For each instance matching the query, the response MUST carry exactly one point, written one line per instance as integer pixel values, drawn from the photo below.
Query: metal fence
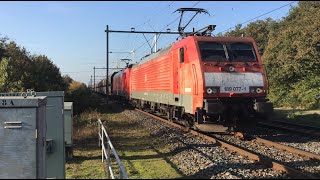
(103, 136)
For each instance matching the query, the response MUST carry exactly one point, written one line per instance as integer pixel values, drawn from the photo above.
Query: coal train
(209, 83)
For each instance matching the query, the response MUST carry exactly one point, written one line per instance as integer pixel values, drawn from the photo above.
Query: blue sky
(72, 33)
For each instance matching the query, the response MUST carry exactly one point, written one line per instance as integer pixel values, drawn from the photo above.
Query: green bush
(81, 96)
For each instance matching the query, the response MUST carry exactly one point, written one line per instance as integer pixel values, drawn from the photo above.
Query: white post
(155, 42)
(108, 159)
(99, 133)
(102, 143)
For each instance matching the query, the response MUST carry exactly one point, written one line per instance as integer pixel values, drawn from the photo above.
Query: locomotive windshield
(229, 51)
(212, 51)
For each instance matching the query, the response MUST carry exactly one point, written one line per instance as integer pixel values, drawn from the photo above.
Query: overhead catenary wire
(163, 29)
(74, 72)
(166, 7)
(258, 16)
(124, 44)
(154, 14)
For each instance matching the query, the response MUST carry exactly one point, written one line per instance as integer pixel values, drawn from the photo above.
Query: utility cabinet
(55, 150)
(22, 137)
(68, 128)
(55, 157)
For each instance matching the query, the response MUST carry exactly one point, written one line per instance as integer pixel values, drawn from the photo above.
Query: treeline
(290, 50)
(20, 70)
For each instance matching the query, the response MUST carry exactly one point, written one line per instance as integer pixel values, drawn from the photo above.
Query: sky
(72, 34)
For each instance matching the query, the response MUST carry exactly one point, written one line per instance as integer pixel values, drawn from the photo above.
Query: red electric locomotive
(204, 80)
(121, 83)
(210, 83)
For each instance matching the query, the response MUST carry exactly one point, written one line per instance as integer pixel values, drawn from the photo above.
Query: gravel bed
(198, 158)
(296, 161)
(301, 142)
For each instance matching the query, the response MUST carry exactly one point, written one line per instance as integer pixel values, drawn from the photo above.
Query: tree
(18, 65)
(3, 73)
(44, 75)
(67, 80)
(237, 32)
(80, 95)
(3, 46)
(292, 57)
(260, 30)
(21, 71)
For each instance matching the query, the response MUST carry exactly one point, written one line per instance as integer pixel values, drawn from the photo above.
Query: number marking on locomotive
(234, 89)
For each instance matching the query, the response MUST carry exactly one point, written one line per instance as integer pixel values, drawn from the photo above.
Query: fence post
(108, 159)
(99, 134)
(102, 143)
(106, 154)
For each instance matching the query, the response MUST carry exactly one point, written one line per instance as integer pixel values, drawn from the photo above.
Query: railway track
(293, 127)
(258, 157)
(303, 161)
(286, 148)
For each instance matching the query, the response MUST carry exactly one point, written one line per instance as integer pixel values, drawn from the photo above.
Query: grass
(86, 162)
(142, 156)
(140, 153)
(307, 117)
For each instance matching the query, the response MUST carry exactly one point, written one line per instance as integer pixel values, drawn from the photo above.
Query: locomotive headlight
(259, 90)
(212, 90)
(256, 90)
(231, 68)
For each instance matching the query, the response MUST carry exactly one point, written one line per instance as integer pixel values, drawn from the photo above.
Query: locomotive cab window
(227, 51)
(242, 52)
(212, 51)
(181, 55)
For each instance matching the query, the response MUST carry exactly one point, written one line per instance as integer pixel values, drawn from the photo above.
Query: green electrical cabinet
(68, 128)
(22, 137)
(55, 151)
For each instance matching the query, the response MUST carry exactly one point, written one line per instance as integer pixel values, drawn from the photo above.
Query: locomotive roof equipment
(181, 29)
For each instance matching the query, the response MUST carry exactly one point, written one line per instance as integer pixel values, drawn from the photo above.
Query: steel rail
(287, 128)
(277, 145)
(287, 148)
(293, 173)
(297, 124)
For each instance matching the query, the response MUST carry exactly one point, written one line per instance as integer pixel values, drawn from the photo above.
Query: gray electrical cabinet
(22, 137)
(55, 151)
(55, 158)
(68, 128)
